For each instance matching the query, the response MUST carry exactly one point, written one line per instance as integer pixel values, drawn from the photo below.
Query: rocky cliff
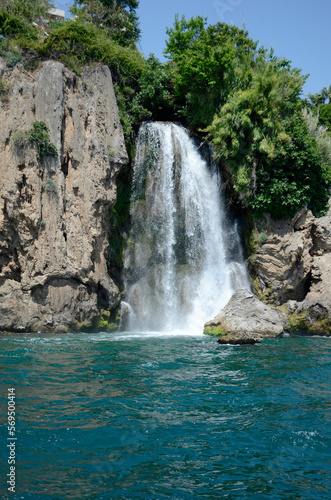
(54, 212)
(292, 268)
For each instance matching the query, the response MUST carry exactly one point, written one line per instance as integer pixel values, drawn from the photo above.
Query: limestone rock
(294, 268)
(247, 316)
(54, 212)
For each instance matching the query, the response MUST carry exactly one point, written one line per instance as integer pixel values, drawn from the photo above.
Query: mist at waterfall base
(183, 259)
(130, 416)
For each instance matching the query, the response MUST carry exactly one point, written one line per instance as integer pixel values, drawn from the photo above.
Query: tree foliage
(31, 10)
(325, 115)
(154, 95)
(205, 61)
(118, 17)
(248, 101)
(295, 176)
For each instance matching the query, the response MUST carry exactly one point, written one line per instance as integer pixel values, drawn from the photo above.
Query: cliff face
(293, 268)
(54, 212)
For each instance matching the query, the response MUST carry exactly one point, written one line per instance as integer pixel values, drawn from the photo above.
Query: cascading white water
(183, 260)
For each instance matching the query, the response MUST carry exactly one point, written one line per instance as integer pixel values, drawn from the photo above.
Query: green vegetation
(154, 100)
(217, 81)
(325, 115)
(263, 238)
(38, 135)
(214, 330)
(4, 88)
(20, 139)
(117, 17)
(109, 320)
(206, 64)
(300, 322)
(248, 101)
(29, 10)
(51, 187)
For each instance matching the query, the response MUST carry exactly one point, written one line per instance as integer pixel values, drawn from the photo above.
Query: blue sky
(298, 30)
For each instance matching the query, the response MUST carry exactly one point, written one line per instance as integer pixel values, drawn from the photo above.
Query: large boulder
(247, 318)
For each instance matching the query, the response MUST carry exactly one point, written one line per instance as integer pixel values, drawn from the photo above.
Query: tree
(317, 99)
(205, 61)
(32, 10)
(260, 134)
(326, 93)
(118, 17)
(154, 94)
(294, 177)
(325, 115)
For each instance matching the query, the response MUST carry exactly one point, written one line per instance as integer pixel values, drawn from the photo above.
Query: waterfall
(183, 259)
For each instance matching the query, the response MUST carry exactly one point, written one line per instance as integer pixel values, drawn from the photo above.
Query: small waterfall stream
(183, 259)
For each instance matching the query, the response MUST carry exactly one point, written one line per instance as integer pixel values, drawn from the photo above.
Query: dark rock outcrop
(240, 339)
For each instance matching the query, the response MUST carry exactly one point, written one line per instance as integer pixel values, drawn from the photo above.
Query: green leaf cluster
(117, 17)
(27, 10)
(39, 136)
(89, 43)
(325, 115)
(16, 26)
(154, 99)
(295, 176)
(205, 61)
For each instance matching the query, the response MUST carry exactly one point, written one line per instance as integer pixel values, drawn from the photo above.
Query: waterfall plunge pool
(168, 417)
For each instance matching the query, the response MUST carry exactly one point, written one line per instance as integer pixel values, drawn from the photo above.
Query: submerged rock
(240, 338)
(246, 318)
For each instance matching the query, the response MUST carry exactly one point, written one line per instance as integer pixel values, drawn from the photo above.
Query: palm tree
(317, 99)
(326, 92)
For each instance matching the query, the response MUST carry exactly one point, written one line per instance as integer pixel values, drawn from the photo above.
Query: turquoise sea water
(156, 416)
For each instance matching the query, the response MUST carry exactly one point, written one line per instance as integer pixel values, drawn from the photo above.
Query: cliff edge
(54, 211)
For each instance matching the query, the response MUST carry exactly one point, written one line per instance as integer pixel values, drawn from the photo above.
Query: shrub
(295, 176)
(20, 139)
(154, 97)
(16, 26)
(263, 238)
(12, 58)
(51, 187)
(4, 88)
(38, 135)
